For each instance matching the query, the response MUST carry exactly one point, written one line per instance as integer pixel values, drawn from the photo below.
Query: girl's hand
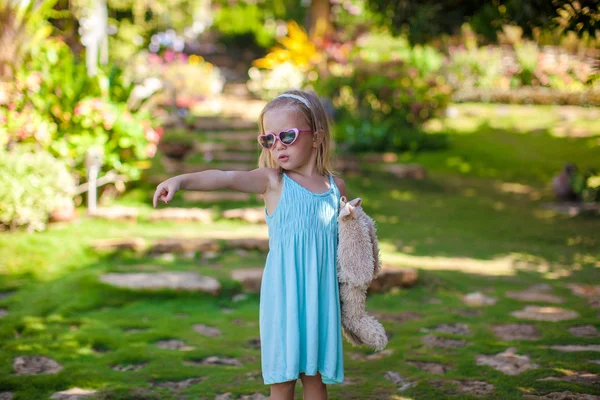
(166, 190)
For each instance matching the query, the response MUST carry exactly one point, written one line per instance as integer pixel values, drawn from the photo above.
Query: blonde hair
(317, 119)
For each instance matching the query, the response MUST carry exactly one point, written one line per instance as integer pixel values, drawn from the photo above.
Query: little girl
(300, 329)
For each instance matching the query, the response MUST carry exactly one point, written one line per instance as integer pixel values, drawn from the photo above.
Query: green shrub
(32, 185)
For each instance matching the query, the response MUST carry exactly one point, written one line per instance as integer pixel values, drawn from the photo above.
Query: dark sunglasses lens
(267, 141)
(287, 137)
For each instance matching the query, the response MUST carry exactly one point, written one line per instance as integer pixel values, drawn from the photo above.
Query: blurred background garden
(471, 130)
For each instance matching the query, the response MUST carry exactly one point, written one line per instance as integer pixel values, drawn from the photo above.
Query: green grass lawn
(475, 224)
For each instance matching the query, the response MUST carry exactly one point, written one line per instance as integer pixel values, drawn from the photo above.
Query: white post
(93, 162)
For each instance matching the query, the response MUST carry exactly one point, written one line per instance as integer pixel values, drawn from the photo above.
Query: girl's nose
(279, 145)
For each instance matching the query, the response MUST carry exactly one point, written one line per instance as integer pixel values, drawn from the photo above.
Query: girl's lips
(283, 158)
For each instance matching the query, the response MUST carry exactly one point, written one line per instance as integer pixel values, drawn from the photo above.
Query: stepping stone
(129, 367)
(34, 365)
(436, 341)
(392, 277)
(572, 209)
(182, 214)
(239, 297)
(572, 348)
(251, 214)
(236, 156)
(347, 164)
(234, 136)
(173, 344)
(214, 360)
(456, 329)
(374, 356)
(134, 244)
(250, 278)
(584, 378)
(182, 245)
(255, 396)
(3, 312)
(469, 387)
(584, 330)
(397, 379)
(537, 293)
(516, 332)
(136, 330)
(594, 361)
(249, 244)
(116, 213)
(164, 280)
(478, 299)
(507, 362)
(381, 158)
(6, 396)
(73, 394)
(209, 147)
(562, 396)
(591, 292)
(407, 171)
(553, 314)
(215, 196)
(431, 367)
(398, 318)
(207, 330)
(176, 386)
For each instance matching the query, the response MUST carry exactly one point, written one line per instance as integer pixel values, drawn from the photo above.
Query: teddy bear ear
(356, 202)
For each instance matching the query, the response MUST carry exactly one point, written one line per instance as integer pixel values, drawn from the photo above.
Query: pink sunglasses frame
(298, 132)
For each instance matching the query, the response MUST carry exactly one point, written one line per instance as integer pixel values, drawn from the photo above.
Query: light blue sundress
(300, 328)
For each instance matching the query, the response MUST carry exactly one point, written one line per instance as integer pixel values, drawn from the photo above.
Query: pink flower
(150, 150)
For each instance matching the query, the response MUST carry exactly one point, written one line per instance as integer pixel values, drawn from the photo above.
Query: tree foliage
(423, 20)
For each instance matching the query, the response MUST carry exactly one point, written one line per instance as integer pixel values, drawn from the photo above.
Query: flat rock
(553, 314)
(537, 293)
(249, 244)
(397, 317)
(469, 387)
(250, 278)
(253, 215)
(179, 385)
(134, 244)
(397, 379)
(173, 344)
(478, 299)
(431, 367)
(374, 356)
(214, 360)
(6, 396)
(164, 280)
(3, 312)
(239, 297)
(572, 209)
(406, 171)
(391, 277)
(116, 213)
(207, 330)
(584, 330)
(182, 245)
(584, 378)
(436, 341)
(591, 292)
(129, 367)
(516, 332)
(469, 313)
(507, 362)
(562, 396)
(574, 347)
(456, 329)
(182, 214)
(33, 365)
(73, 394)
(215, 196)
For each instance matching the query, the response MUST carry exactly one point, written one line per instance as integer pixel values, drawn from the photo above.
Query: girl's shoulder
(339, 182)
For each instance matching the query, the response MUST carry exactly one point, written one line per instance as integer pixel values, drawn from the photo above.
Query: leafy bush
(54, 104)
(32, 185)
(382, 98)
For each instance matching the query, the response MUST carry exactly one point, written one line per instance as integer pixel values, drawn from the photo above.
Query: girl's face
(297, 154)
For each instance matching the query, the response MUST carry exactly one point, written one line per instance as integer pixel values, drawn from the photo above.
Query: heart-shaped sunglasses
(287, 137)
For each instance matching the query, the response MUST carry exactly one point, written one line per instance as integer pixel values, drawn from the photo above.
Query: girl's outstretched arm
(255, 181)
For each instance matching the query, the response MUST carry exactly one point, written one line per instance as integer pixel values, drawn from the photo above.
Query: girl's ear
(318, 137)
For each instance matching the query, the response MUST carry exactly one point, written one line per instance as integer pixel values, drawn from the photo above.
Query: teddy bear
(358, 262)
